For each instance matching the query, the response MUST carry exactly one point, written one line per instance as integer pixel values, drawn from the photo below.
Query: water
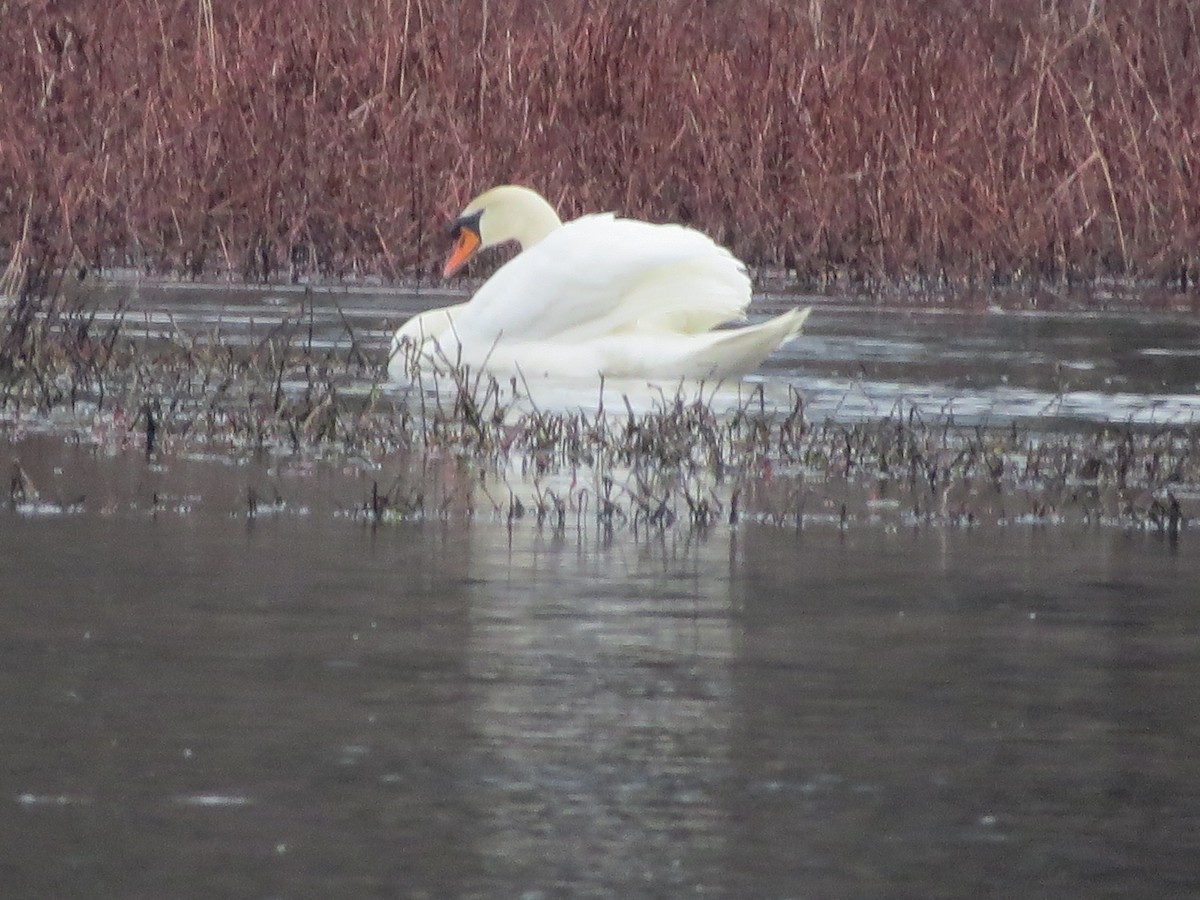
(199, 703)
(987, 367)
(997, 366)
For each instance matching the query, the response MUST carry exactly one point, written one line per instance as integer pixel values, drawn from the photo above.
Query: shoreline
(1107, 295)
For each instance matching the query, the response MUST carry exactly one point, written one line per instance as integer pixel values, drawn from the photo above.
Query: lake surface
(978, 366)
(202, 702)
(198, 705)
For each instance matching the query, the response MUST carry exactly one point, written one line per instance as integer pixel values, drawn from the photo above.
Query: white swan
(598, 296)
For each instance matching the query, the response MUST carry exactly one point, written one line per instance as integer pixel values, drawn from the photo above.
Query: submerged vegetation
(848, 141)
(683, 460)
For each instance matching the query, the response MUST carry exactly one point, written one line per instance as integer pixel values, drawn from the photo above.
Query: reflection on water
(202, 705)
(999, 366)
(603, 715)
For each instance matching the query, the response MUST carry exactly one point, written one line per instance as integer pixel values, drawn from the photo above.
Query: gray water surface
(850, 363)
(304, 707)
(201, 702)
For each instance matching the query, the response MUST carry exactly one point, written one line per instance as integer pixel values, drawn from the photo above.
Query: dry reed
(945, 143)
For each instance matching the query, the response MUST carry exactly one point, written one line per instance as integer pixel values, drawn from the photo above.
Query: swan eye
(467, 223)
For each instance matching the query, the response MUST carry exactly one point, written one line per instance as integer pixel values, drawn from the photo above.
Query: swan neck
(537, 222)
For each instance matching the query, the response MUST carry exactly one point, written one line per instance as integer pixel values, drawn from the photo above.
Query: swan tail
(733, 353)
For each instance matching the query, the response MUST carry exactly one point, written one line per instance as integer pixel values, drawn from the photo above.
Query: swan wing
(601, 275)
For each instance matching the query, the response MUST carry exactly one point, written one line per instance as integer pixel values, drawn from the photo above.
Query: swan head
(506, 213)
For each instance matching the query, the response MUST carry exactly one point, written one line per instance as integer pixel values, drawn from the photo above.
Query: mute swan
(598, 296)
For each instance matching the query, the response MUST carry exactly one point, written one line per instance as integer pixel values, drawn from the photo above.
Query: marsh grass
(469, 445)
(943, 145)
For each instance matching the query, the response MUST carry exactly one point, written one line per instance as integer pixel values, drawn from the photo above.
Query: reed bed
(682, 463)
(847, 143)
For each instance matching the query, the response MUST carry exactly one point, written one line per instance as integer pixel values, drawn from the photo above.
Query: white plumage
(600, 295)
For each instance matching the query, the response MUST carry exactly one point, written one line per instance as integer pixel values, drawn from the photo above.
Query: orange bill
(464, 248)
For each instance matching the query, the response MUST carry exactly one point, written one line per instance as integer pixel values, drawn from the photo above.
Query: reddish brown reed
(952, 140)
